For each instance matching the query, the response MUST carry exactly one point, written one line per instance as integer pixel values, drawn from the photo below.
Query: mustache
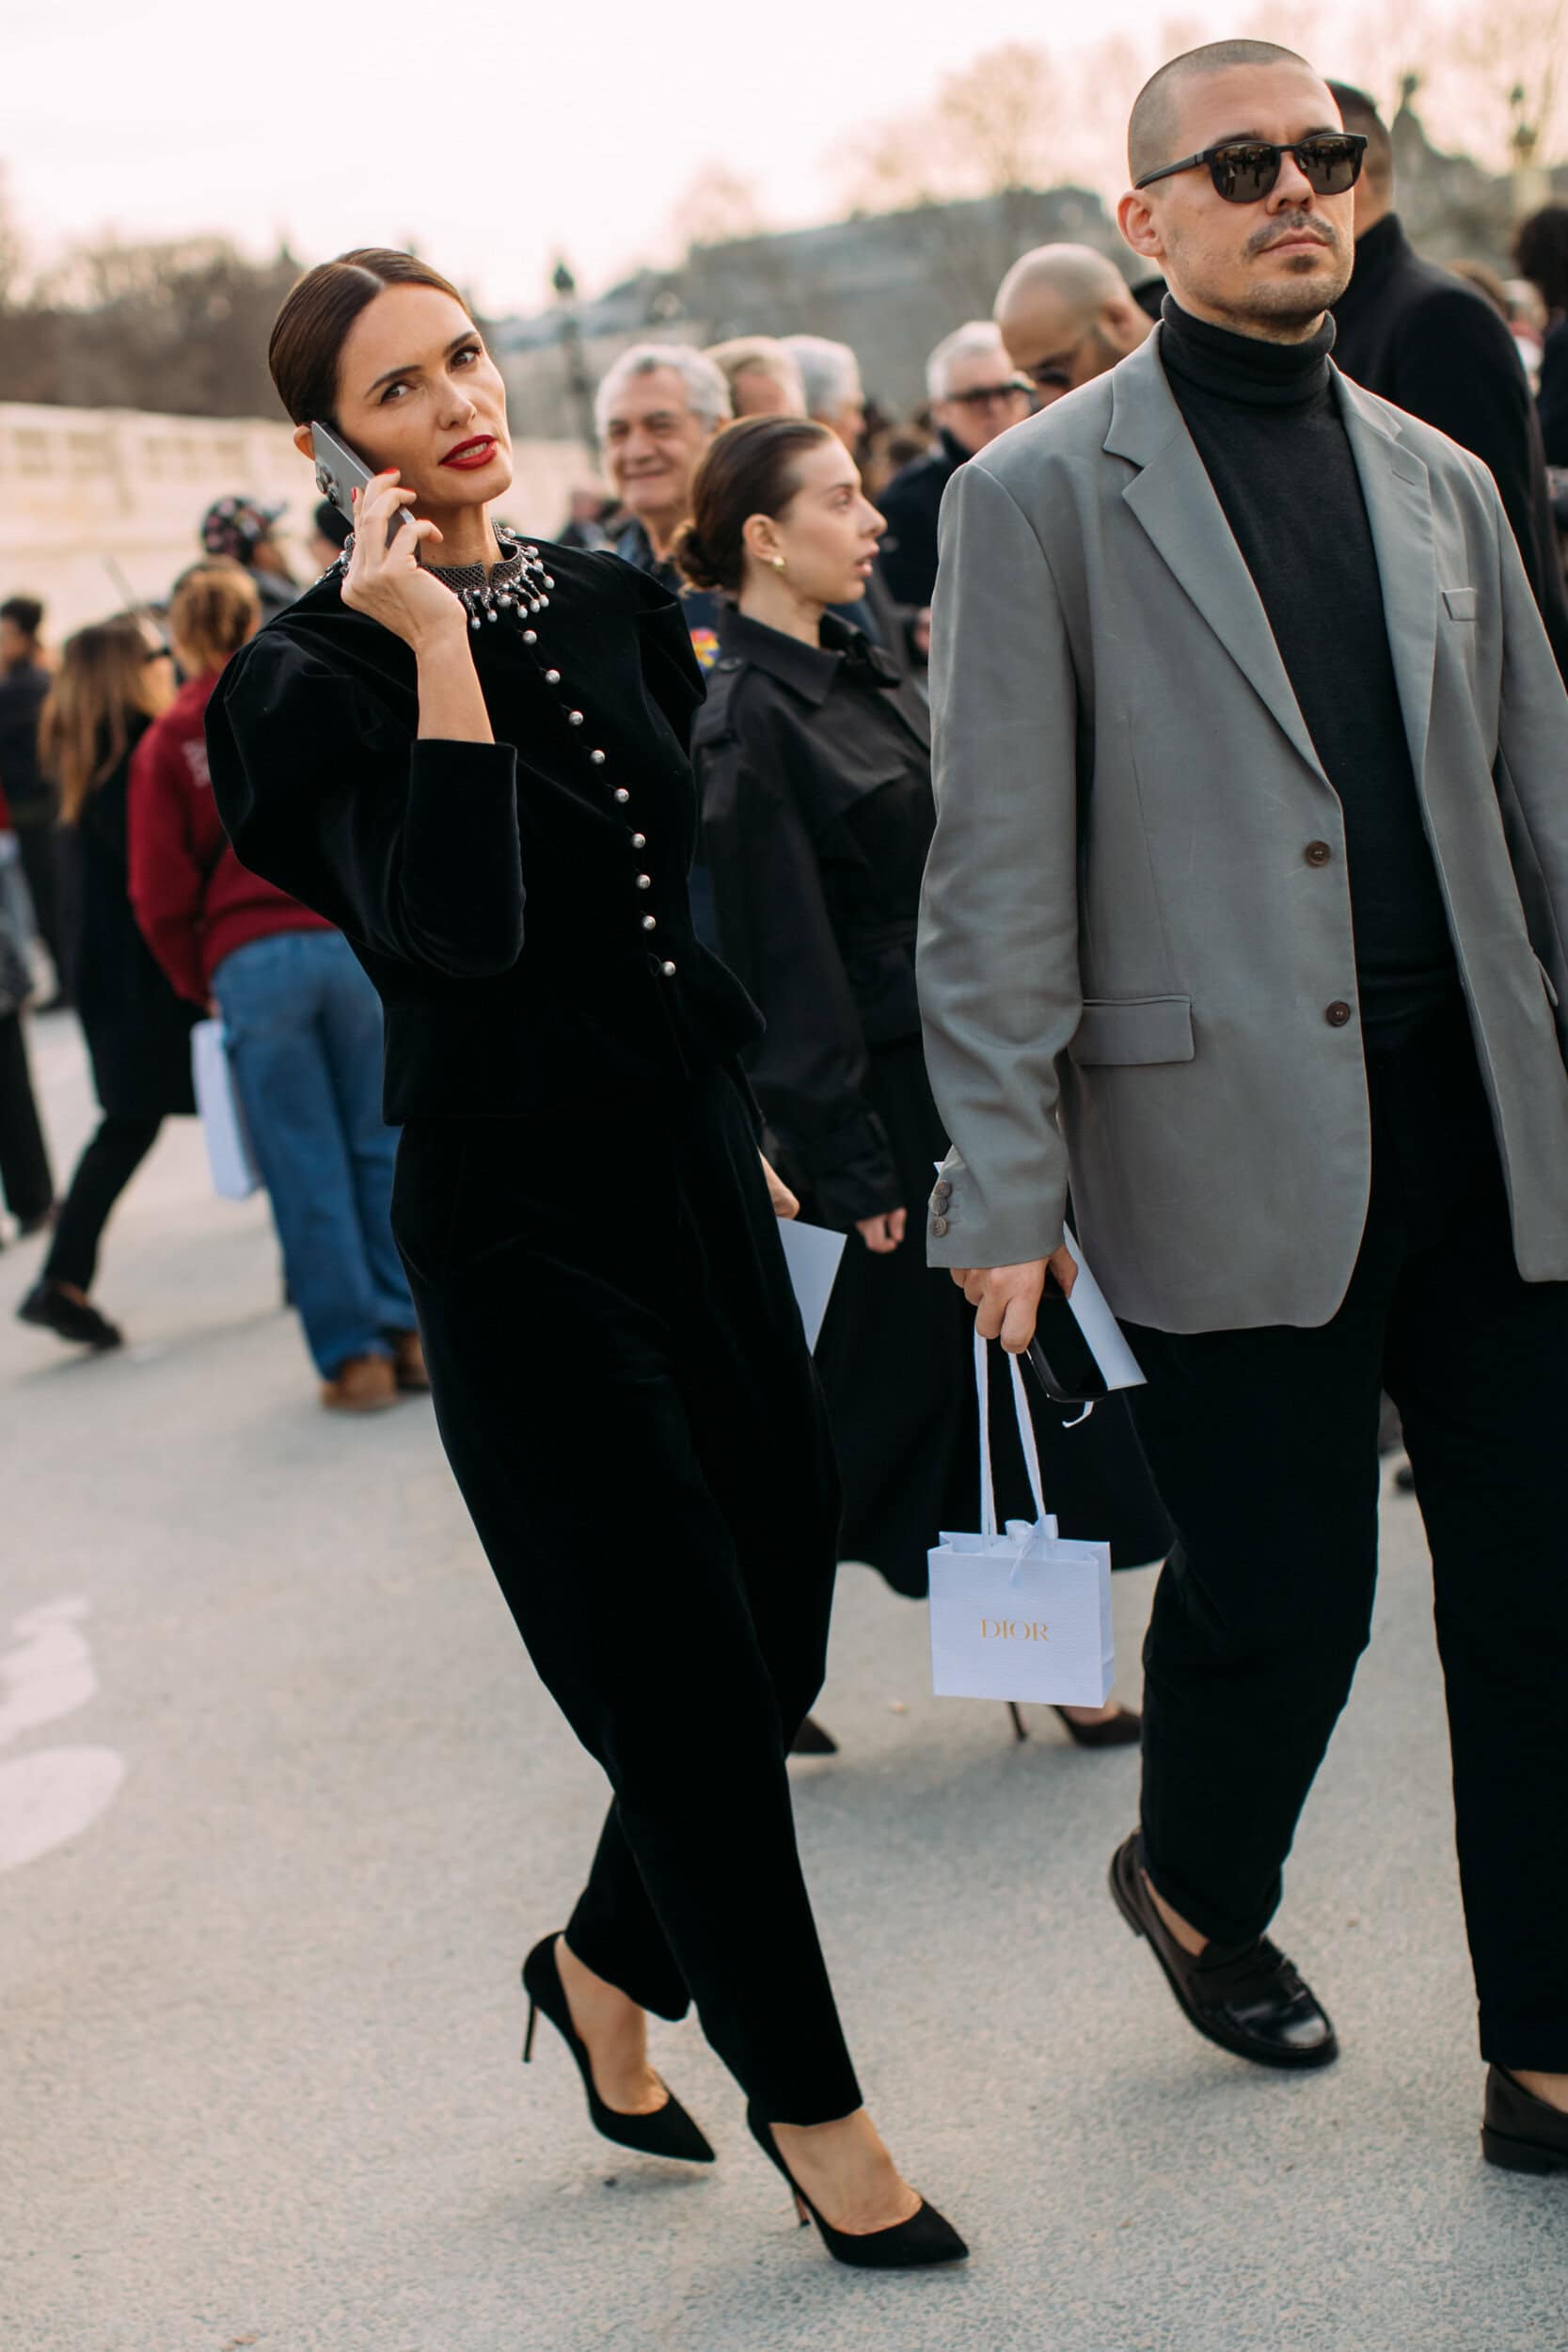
(1294, 225)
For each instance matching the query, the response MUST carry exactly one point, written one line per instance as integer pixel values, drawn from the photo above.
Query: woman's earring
(777, 561)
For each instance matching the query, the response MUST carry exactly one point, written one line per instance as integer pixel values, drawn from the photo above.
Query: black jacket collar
(810, 671)
(1378, 255)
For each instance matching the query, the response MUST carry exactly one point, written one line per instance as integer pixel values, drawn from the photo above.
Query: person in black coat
(813, 764)
(112, 684)
(1432, 342)
(976, 394)
(469, 753)
(1541, 254)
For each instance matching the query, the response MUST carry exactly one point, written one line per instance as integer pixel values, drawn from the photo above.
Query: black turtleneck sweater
(1266, 422)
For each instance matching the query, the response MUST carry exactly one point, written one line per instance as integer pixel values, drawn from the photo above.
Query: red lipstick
(468, 454)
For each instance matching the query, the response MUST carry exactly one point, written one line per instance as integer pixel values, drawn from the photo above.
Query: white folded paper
(812, 1254)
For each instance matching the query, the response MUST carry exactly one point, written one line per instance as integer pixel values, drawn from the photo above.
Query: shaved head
(1079, 274)
(1154, 126)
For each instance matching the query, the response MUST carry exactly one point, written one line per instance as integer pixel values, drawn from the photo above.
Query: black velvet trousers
(625, 1395)
(1264, 1447)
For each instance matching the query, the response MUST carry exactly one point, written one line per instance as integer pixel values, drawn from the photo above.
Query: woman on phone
(814, 762)
(469, 751)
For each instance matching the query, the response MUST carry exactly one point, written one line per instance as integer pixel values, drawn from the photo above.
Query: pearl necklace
(518, 584)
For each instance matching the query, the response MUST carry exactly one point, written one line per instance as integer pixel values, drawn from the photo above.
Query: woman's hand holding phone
(386, 580)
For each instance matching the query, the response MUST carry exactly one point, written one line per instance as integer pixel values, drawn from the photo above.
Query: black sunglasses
(1245, 172)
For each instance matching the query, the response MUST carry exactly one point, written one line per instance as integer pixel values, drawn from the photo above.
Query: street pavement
(282, 1804)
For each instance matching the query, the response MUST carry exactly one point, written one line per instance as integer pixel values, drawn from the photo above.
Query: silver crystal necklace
(518, 584)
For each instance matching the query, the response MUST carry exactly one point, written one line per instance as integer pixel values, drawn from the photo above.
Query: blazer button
(1317, 853)
(1338, 1014)
(941, 1193)
(668, 970)
(939, 1226)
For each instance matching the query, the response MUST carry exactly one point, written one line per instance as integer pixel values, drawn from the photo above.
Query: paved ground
(259, 2081)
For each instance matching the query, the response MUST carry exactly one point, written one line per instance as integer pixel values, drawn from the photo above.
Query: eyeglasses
(1245, 172)
(983, 394)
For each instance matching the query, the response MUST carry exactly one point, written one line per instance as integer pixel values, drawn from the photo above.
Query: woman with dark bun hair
(814, 764)
(468, 751)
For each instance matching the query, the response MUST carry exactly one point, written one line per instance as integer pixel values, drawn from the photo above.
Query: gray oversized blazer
(1127, 955)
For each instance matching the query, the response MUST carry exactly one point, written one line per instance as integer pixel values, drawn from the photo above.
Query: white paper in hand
(1104, 1334)
(812, 1254)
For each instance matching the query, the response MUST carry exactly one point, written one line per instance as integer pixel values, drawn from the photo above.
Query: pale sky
(496, 135)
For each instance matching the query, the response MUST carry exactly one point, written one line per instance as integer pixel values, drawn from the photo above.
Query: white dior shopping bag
(1020, 1613)
(230, 1157)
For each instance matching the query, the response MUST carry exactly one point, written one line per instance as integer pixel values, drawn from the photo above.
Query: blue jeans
(303, 1029)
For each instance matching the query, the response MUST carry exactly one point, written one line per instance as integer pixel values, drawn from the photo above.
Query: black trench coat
(139, 1030)
(814, 766)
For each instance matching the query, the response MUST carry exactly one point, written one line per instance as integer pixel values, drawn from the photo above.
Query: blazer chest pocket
(1123, 1031)
(1461, 603)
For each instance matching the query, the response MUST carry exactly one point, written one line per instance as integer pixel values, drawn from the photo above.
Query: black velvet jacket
(815, 768)
(425, 852)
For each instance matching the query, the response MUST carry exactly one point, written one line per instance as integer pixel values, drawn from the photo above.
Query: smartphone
(339, 474)
(1059, 1355)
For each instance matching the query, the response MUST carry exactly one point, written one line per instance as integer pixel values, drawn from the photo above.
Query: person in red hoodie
(302, 1024)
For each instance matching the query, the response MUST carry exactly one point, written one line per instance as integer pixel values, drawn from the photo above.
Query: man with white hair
(1067, 314)
(656, 410)
(834, 395)
(976, 394)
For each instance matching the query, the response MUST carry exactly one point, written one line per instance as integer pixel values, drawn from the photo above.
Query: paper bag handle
(1026, 1432)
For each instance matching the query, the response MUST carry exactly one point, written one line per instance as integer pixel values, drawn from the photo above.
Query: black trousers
(117, 1150)
(39, 848)
(26, 1176)
(1264, 1446)
(625, 1395)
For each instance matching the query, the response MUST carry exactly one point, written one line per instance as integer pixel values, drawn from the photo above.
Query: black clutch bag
(1059, 1355)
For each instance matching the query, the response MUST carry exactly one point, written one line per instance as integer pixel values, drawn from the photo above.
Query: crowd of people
(959, 680)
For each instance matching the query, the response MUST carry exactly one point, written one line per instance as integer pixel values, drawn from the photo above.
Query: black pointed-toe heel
(668, 2131)
(918, 2244)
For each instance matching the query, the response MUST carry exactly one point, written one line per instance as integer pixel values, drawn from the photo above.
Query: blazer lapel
(1398, 493)
(1174, 500)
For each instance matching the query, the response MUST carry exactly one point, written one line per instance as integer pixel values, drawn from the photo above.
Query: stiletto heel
(918, 2244)
(668, 2131)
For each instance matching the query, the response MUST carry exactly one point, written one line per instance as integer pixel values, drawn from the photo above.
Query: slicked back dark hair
(309, 331)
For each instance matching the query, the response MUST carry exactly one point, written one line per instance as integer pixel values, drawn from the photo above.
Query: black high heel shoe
(918, 2244)
(668, 2131)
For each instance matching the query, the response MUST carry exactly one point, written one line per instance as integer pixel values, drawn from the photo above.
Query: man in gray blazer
(1246, 916)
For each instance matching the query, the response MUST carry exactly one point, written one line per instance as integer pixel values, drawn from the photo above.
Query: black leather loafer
(1246, 1998)
(1521, 2131)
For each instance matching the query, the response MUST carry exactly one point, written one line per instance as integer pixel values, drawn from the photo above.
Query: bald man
(1246, 914)
(1067, 314)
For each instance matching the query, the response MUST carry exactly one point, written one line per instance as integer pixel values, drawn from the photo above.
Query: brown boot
(412, 1375)
(366, 1384)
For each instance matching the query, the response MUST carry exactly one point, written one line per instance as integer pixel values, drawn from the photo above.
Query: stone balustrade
(85, 488)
